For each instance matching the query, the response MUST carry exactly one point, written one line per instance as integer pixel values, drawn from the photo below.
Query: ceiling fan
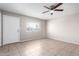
(53, 8)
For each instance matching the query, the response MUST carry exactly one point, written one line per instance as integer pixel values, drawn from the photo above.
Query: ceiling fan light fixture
(52, 8)
(51, 11)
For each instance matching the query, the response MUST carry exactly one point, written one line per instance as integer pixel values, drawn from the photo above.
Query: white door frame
(11, 35)
(1, 28)
(1, 20)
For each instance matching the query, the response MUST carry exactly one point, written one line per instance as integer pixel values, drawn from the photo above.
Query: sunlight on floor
(35, 49)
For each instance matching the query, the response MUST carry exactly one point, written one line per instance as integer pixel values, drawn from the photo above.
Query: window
(33, 26)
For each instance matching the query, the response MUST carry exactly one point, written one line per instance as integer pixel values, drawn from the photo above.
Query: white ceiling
(36, 9)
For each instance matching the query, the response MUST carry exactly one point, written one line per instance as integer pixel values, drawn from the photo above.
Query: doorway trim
(2, 28)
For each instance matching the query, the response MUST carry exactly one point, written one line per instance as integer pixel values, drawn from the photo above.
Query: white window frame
(32, 27)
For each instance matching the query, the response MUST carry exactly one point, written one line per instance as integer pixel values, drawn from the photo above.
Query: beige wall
(25, 36)
(65, 28)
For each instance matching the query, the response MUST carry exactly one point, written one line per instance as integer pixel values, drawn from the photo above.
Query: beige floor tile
(42, 47)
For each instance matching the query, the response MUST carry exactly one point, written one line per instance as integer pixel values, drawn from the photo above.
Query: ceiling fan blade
(57, 5)
(52, 6)
(46, 7)
(58, 10)
(45, 12)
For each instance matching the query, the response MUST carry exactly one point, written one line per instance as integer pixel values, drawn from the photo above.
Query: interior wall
(25, 36)
(65, 28)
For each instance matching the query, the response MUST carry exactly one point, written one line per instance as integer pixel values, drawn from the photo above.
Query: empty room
(39, 29)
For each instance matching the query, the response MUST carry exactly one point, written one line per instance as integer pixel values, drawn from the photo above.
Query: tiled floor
(42, 47)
